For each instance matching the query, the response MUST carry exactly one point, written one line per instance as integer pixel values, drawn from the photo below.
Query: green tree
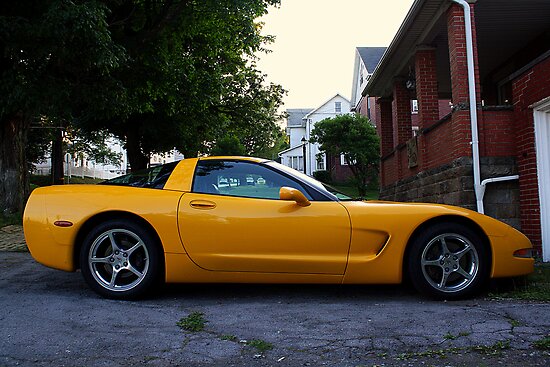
(228, 145)
(92, 146)
(191, 77)
(271, 152)
(157, 74)
(56, 57)
(355, 138)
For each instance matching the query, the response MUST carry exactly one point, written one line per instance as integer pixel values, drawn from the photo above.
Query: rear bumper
(41, 240)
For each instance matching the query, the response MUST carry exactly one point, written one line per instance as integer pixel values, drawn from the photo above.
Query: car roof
(240, 158)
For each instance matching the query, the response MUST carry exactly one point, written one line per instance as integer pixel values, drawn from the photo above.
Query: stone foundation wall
(453, 184)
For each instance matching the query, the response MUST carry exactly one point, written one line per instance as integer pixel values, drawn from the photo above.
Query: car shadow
(287, 292)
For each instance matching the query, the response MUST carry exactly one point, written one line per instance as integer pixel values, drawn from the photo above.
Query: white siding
(326, 110)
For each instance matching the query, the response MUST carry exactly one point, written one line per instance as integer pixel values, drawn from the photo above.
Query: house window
(368, 107)
(343, 160)
(296, 162)
(320, 162)
(338, 107)
(414, 106)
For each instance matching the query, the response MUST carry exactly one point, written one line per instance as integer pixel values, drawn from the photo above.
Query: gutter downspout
(495, 179)
(478, 188)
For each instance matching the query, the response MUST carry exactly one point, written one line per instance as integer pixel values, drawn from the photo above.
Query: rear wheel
(448, 261)
(121, 260)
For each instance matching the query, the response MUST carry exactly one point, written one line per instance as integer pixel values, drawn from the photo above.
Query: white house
(300, 123)
(366, 60)
(82, 166)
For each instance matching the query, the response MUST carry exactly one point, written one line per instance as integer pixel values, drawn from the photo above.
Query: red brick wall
(461, 127)
(444, 107)
(338, 172)
(496, 134)
(426, 87)
(374, 114)
(437, 146)
(385, 126)
(457, 54)
(401, 108)
(529, 88)
(388, 170)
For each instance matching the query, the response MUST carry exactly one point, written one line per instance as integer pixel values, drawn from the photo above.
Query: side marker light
(62, 223)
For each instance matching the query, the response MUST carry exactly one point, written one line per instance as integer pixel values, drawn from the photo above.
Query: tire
(120, 259)
(448, 261)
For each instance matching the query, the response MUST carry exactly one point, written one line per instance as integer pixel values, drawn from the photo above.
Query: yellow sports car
(249, 220)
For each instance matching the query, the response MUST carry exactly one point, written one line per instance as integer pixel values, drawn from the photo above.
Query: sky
(314, 49)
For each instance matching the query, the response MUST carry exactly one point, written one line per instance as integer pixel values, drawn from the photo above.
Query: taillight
(524, 253)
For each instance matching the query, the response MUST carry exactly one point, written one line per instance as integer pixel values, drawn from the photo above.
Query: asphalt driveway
(50, 318)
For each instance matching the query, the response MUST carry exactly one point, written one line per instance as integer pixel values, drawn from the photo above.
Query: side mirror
(291, 194)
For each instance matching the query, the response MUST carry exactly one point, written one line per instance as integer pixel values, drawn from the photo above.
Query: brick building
(505, 73)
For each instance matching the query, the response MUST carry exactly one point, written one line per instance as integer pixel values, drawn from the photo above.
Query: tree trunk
(136, 158)
(14, 175)
(57, 158)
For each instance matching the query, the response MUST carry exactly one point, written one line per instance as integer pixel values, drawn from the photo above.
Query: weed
(543, 344)
(441, 353)
(513, 322)
(193, 322)
(229, 337)
(449, 336)
(261, 345)
(494, 349)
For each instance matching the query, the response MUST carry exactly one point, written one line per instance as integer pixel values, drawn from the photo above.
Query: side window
(243, 179)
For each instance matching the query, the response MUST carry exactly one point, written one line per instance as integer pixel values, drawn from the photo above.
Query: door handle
(202, 204)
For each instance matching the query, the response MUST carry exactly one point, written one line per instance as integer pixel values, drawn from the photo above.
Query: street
(51, 318)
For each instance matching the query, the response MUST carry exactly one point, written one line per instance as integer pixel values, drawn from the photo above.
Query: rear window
(154, 177)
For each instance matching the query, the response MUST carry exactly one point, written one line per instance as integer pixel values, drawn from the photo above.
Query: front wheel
(120, 260)
(448, 261)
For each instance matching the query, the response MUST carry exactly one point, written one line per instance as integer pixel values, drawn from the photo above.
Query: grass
(38, 180)
(10, 219)
(534, 287)
(491, 350)
(193, 322)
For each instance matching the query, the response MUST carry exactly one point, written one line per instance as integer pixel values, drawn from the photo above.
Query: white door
(542, 138)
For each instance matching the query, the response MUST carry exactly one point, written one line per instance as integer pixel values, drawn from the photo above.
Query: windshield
(327, 189)
(154, 177)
